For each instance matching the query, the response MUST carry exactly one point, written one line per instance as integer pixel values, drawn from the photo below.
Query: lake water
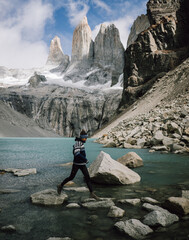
(162, 176)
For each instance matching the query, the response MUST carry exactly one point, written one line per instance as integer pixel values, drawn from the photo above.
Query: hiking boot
(59, 189)
(92, 195)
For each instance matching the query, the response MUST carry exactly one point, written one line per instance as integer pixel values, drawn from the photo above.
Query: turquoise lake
(162, 176)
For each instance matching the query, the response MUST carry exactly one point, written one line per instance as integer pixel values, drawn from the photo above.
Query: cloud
(21, 31)
(76, 11)
(102, 5)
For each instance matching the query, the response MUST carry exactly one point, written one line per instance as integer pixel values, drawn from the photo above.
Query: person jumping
(79, 162)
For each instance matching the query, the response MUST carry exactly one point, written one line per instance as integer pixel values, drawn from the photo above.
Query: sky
(28, 26)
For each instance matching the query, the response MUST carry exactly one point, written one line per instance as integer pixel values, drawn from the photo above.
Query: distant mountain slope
(167, 88)
(15, 124)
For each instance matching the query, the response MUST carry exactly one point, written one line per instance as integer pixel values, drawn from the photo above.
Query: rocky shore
(165, 128)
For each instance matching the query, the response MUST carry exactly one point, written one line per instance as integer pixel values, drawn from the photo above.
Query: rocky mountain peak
(55, 53)
(82, 44)
(139, 25)
(108, 49)
(159, 8)
(56, 56)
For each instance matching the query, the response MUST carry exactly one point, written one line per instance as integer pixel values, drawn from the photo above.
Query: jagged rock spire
(82, 44)
(56, 56)
(108, 49)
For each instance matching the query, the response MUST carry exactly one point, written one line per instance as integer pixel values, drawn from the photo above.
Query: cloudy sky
(28, 26)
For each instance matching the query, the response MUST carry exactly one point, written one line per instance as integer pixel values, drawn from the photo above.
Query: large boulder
(134, 228)
(108, 171)
(131, 160)
(179, 205)
(48, 197)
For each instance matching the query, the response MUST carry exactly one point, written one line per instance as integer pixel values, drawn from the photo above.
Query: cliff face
(64, 110)
(108, 49)
(56, 56)
(158, 49)
(82, 44)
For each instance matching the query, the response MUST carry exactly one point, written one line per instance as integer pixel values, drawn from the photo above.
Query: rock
(108, 171)
(35, 80)
(159, 148)
(98, 204)
(172, 127)
(139, 25)
(141, 142)
(129, 146)
(178, 205)
(149, 200)
(157, 138)
(48, 197)
(108, 49)
(133, 202)
(116, 212)
(9, 228)
(8, 191)
(151, 207)
(160, 218)
(131, 160)
(186, 131)
(82, 43)
(185, 194)
(110, 145)
(76, 189)
(177, 147)
(56, 55)
(168, 142)
(73, 205)
(21, 172)
(134, 228)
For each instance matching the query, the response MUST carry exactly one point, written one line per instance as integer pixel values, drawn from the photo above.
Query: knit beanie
(83, 134)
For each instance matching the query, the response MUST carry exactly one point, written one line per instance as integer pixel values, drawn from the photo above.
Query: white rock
(134, 201)
(151, 207)
(76, 189)
(185, 194)
(160, 218)
(98, 204)
(21, 172)
(106, 170)
(73, 205)
(116, 212)
(48, 197)
(9, 228)
(149, 200)
(134, 228)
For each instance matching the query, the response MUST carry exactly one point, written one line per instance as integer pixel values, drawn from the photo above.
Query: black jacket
(79, 152)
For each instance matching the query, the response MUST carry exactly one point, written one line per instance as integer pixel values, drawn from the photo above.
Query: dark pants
(85, 172)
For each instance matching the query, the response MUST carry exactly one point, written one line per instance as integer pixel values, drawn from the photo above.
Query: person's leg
(87, 177)
(74, 170)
